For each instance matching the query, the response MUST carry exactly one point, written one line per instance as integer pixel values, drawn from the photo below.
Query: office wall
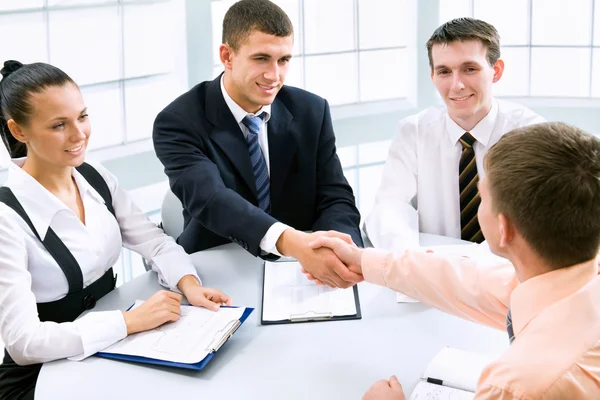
(353, 124)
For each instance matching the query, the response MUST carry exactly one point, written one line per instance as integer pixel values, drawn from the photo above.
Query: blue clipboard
(197, 366)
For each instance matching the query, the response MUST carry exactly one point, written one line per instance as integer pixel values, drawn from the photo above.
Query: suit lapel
(283, 140)
(227, 133)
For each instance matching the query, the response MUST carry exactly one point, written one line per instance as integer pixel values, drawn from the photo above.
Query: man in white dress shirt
(437, 155)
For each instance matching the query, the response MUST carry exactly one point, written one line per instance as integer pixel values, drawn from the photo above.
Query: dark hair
(546, 179)
(246, 16)
(465, 29)
(18, 82)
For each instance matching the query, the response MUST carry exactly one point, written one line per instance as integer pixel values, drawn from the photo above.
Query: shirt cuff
(171, 267)
(99, 330)
(374, 264)
(268, 244)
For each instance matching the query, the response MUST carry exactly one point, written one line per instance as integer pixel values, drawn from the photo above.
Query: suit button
(89, 302)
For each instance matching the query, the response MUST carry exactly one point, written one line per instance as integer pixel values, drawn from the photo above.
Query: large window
(551, 47)
(347, 51)
(128, 56)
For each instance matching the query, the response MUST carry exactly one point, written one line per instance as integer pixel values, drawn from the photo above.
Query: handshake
(329, 258)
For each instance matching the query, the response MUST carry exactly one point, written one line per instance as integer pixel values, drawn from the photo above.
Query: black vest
(18, 381)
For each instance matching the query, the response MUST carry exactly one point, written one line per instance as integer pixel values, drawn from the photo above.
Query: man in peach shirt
(540, 208)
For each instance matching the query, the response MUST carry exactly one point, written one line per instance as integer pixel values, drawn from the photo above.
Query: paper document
(429, 391)
(289, 295)
(480, 252)
(196, 334)
(457, 368)
(451, 375)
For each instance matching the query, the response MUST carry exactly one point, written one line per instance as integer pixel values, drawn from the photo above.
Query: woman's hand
(201, 296)
(164, 306)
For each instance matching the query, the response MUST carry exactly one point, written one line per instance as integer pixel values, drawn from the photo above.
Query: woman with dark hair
(62, 225)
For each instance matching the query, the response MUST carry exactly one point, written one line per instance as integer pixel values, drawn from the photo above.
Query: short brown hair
(247, 16)
(463, 30)
(546, 179)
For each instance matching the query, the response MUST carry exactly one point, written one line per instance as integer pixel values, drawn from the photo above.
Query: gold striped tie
(469, 193)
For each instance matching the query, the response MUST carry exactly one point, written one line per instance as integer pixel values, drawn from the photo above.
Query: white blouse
(29, 274)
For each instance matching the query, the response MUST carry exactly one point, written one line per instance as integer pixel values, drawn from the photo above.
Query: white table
(324, 360)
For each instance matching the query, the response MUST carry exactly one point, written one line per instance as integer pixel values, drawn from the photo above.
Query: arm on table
(454, 285)
(26, 338)
(173, 266)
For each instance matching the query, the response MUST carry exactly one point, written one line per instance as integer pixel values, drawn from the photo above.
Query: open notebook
(451, 375)
(190, 342)
(288, 296)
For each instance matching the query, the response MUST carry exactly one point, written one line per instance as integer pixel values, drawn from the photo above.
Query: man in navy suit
(254, 162)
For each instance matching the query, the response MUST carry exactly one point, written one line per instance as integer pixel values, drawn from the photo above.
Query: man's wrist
(288, 242)
(358, 259)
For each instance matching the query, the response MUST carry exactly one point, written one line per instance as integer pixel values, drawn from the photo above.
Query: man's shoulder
(194, 96)
(423, 119)
(296, 98)
(517, 114)
(531, 371)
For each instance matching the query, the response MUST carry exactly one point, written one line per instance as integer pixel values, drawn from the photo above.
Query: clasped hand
(326, 257)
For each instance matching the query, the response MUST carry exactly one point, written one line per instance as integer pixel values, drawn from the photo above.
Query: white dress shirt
(423, 162)
(268, 243)
(29, 274)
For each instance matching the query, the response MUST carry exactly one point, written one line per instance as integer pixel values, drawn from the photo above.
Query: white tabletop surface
(320, 360)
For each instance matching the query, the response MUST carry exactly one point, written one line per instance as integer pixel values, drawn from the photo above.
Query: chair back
(171, 214)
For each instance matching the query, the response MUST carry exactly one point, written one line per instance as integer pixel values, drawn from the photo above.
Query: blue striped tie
(259, 165)
(509, 327)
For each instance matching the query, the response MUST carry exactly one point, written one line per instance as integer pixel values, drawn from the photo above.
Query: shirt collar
(531, 297)
(481, 132)
(238, 112)
(40, 205)
(85, 188)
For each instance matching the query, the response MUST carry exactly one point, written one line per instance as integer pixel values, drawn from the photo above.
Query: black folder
(309, 316)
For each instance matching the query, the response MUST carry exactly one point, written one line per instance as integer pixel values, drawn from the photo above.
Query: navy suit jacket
(206, 158)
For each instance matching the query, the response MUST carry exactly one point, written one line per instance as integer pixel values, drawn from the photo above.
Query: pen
(448, 384)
